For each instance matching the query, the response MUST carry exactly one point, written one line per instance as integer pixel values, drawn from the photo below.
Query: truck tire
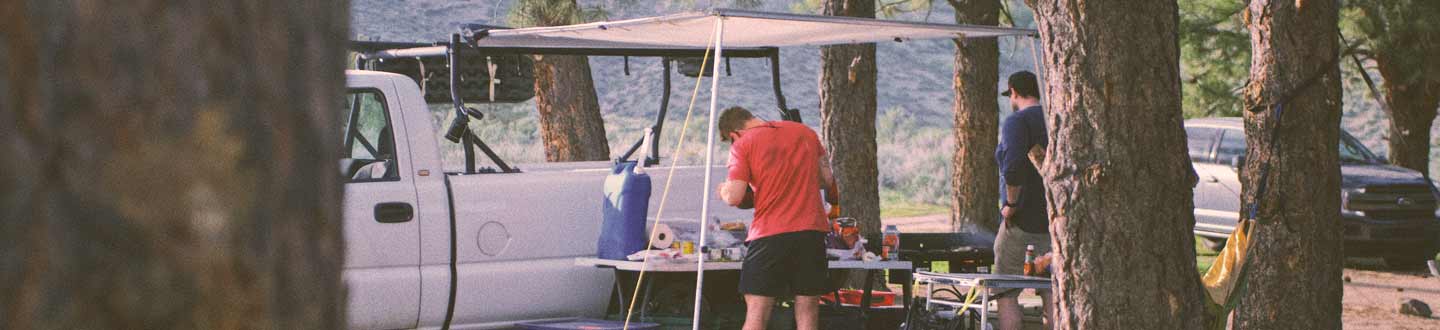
(1214, 244)
(1405, 262)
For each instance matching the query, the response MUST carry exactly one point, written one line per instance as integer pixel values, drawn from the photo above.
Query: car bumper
(1373, 238)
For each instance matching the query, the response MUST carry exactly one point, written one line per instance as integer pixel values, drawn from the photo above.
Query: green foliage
(895, 204)
(1397, 31)
(807, 6)
(531, 13)
(1204, 257)
(891, 9)
(1214, 57)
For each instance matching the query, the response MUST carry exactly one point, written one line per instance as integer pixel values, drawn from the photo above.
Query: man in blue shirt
(1025, 222)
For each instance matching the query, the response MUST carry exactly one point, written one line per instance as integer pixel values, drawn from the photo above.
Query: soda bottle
(1030, 260)
(891, 243)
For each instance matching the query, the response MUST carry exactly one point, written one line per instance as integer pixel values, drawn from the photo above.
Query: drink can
(687, 247)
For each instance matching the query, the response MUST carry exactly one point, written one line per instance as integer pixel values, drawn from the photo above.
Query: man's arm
(1017, 147)
(733, 192)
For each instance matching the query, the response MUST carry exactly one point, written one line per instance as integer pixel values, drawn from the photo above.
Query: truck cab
(427, 247)
(1387, 211)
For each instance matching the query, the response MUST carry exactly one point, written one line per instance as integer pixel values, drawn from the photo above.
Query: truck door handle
(394, 212)
(1212, 179)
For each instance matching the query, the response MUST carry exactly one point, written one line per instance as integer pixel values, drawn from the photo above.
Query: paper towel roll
(663, 236)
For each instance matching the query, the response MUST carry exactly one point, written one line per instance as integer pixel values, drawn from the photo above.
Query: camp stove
(947, 252)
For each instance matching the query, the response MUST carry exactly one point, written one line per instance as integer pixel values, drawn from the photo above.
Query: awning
(743, 29)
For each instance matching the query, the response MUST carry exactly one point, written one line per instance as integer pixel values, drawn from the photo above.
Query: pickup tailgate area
(518, 235)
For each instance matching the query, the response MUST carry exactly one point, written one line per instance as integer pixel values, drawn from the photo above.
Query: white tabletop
(669, 266)
(985, 280)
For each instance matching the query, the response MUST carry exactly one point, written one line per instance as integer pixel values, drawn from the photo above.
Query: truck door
(1217, 202)
(381, 230)
(1214, 203)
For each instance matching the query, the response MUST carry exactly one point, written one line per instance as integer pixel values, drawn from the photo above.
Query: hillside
(915, 95)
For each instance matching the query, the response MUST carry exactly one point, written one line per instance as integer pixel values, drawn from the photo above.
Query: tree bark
(1118, 178)
(1296, 249)
(171, 166)
(1406, 53)
(975, 181)
(570, 122)
(847, 115)
(1412, 111)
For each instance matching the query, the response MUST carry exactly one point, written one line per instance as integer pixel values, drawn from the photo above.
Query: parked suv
(1388, 211)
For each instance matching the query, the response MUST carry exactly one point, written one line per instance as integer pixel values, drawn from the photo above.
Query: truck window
(1232, 144)
(1199, 140)
(369, 143)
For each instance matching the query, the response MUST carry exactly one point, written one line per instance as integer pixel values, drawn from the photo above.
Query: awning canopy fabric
(743, 29)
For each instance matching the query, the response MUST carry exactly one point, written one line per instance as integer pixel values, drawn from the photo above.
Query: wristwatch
(1008, 204)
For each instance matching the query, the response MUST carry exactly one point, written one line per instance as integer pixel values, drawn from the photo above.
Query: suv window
(1199, 140)
(369, 144)
(1232, 144)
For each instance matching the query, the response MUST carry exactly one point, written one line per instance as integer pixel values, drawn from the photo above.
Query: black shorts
(784, 265)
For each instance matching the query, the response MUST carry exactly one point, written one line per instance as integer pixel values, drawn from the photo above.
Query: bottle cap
(1030, 247)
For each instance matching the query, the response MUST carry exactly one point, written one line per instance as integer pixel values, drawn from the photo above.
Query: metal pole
(709, 163)
(1039, 71)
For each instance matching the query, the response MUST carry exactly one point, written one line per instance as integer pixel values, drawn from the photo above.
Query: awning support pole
(709, 171)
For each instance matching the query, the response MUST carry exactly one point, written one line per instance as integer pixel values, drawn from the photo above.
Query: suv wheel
(1214, 244)
(1405, 262)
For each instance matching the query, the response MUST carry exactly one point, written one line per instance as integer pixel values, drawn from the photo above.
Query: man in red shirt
(785, 165)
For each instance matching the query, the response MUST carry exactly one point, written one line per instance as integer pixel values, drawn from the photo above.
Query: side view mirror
(1237, 163)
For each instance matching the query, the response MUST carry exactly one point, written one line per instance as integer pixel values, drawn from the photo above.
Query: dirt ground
(1372, 297)
(1372, 293)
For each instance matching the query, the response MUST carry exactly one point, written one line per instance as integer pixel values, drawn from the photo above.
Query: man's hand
(732, 192)
(1007, 213)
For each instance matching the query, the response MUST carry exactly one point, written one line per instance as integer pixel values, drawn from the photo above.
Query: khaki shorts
(1010, 249)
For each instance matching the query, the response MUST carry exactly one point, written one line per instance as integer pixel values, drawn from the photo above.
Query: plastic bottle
(1029, 260)
(891, 243)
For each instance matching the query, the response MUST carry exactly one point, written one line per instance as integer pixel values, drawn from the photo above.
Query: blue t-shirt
(1021, 131)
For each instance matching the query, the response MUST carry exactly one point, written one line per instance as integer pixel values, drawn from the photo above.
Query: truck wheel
(1405, 262)
(1214, 244)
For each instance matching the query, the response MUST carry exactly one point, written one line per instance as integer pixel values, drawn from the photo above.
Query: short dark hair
(731, 120)
(1023, 83)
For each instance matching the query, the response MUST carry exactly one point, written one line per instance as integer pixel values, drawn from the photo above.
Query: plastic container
(852, 297)
(627, 200)
(585, 324)
(891, 243)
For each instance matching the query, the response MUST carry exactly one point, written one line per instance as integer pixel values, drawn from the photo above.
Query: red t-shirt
(781, 161)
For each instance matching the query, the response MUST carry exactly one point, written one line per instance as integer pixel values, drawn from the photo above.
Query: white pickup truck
(431, 248)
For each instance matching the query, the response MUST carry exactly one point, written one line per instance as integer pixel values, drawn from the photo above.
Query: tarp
(743, 29)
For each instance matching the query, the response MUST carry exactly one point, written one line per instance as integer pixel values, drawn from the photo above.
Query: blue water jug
(627, 200)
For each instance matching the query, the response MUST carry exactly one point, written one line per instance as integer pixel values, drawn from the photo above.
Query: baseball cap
(1023, 81)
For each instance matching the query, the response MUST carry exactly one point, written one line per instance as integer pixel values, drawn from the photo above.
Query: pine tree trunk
(847, 115)
(570, 122)
(1296, 252)
(975, 181)
(1413, 93)
(1118, 178)
(171, 166)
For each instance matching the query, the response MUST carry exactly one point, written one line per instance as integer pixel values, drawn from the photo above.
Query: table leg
(909, 281)
(620, 294)
(906, 290)
(984, 307)
(865, 298)
(929, 294)
(645, 298)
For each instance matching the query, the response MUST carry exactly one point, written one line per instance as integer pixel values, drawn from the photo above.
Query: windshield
(1232, 145)
(1351, 151)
